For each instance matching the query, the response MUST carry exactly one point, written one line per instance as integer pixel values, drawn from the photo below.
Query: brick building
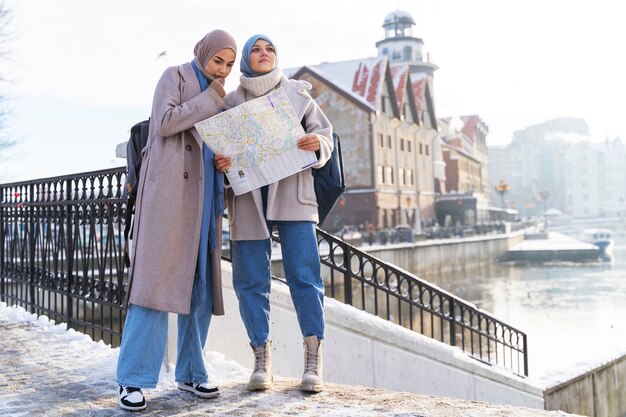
(383, 110)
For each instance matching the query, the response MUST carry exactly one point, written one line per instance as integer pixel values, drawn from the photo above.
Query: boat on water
(551, 247)
(601, 238)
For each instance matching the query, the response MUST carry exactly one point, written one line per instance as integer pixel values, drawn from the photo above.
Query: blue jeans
(145, 337)
(252, 279)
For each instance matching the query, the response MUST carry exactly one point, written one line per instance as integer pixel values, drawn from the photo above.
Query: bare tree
(5, 39)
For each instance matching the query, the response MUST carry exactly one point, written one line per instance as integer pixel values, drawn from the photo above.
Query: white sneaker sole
(129, 408)
(197, 393)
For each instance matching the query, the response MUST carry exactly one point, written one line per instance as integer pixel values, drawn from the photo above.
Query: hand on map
(222, 163)
(309, 142)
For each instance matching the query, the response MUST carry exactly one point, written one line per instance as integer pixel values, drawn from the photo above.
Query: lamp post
(544, 196)
(501, 189)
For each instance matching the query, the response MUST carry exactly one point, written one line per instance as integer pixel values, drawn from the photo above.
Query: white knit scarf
(263, 84)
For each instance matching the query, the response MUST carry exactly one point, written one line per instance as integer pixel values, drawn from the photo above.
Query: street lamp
(501, 189)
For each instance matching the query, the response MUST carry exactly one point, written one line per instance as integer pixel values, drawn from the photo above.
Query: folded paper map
(260, 137)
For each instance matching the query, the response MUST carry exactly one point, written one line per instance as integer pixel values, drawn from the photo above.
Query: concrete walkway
(47, 371)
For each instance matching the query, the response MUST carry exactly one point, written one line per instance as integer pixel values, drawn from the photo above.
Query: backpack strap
(128, 228)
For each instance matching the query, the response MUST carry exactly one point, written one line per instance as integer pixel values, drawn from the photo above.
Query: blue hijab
(244, 65)
(212, 207)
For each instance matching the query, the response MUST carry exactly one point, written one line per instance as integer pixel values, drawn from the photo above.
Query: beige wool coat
(292, 198)
(169, 204)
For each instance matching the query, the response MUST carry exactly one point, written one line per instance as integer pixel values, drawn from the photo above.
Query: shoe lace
(312, 359)
(130, 390)
(260, 359)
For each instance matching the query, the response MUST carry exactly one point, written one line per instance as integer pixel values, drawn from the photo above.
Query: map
(260, 137)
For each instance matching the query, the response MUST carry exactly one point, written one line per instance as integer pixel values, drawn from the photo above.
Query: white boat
(601, 238)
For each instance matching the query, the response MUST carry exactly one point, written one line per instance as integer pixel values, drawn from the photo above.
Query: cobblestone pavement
(43, 373)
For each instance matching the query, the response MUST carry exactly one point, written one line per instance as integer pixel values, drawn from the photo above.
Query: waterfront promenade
(48, 371)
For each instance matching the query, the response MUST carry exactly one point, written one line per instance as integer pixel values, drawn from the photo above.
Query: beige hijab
(212, 43)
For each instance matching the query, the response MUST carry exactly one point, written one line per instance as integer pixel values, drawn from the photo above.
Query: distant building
(594, 179)
(464, 152)
(383, 109)
(555, 165)
(533, 165)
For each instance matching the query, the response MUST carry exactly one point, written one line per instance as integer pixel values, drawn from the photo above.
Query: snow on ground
(46, 370)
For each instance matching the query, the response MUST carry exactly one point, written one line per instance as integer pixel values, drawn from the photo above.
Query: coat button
(185, 175)
(188, 147)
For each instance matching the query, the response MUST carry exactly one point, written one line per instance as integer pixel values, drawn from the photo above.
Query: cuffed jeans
(145, 337)
(301, 263)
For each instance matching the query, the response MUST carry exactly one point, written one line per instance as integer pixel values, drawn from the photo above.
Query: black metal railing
(62, 250)
(368, 283)
(62, 256)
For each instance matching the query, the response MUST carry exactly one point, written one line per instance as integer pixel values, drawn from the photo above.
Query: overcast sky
(84, 71)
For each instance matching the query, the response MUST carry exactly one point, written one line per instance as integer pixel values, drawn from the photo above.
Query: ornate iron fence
(62, 256)
(363, 281)
(62, 250)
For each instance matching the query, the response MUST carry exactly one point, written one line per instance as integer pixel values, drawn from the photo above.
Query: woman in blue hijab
(289, 206)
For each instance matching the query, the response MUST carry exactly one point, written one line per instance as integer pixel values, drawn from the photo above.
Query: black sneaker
(131, 399)
(203, 390)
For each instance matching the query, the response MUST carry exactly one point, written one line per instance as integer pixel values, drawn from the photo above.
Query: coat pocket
(162, 163)
(306, 191)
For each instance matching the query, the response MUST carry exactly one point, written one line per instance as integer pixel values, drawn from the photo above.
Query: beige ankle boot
(262, 378)
(312, 378)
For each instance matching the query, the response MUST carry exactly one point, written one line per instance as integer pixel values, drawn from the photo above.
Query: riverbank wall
(436, 255)
(600, 392)
(445, 255)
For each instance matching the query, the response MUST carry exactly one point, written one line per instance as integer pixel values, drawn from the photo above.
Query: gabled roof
(362, 79)
(419, 84)
(473, 124)
(400, 77)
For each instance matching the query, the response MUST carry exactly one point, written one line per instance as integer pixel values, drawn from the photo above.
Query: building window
(382, 104)
(381, 174)
(401, 176)
(389, 141)
(385, 51)
(408, 52)
(408, 146)
(391, 181)
(381, 140)
(426, 147)
(401, 144)
(420, 148)
(410, 176)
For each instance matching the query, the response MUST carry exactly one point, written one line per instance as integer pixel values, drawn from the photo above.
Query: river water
(573, 313)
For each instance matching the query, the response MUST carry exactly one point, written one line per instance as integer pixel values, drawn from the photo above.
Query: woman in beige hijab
(175, 265)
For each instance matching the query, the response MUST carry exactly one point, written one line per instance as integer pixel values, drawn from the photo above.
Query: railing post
(452, 322)
(525, 354)
(3, 202)
(347, 280)
(70, 251)
(29, 207)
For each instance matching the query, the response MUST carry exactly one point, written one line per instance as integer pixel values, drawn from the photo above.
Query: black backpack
(328, 180)
(136, 143)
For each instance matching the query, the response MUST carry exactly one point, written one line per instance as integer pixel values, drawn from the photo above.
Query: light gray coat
(292, 198)
(170, 198)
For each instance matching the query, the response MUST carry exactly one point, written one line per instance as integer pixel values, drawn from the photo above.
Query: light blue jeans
(145, 337)
(252, 279)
